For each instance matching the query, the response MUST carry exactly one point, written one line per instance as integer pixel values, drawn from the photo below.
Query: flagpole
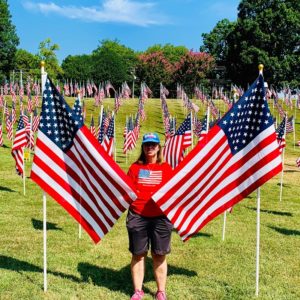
(283, 152)
(24, 186)
(45, 240)
(114, 138)
(79, 225)
(224, 226)
(257, 242)
(294, 129)
(43, 81)
(192, 131)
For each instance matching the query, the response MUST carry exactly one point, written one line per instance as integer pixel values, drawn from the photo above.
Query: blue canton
(144, 173)
(77, 109)
(58, 121)
(185, 126)
(248, 117)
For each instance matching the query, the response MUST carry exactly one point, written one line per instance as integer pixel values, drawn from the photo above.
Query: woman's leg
(160, 269)
(138, 270)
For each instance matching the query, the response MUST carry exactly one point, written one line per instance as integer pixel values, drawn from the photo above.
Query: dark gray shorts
(144, 231)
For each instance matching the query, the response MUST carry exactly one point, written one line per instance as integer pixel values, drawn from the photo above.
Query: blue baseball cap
(151, 137)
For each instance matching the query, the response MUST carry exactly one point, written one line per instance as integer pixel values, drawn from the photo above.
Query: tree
(154, 68)
(27, 62)
(8, 40)
(77, 67)
(114, 62)
(170, 52)
(215, 42)
(192, 69)
(266, 32)
(47, 54)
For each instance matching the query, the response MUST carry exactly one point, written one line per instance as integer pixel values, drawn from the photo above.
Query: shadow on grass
(120, 280)
(6, 189)
(201, 234)
(273, 212)
(14, 264)
(284, 185)
(4, 146)
(291, 171)
(38, 225)
(285, 231)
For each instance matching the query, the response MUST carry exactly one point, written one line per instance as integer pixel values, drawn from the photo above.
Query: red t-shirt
(147, 178)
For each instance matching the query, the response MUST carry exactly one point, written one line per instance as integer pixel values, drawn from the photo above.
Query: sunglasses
(150, 144)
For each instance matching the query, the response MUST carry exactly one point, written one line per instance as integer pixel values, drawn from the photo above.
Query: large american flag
(71, 166)
(173, 150)
(20, 142)
(240, 154)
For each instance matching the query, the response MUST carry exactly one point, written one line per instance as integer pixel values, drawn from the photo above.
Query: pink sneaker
(160, 295)
(138, 295)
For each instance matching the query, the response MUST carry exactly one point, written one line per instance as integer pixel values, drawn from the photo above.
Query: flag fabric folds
(239, 155)
(20, 142)
(173, 150)
(71, 166)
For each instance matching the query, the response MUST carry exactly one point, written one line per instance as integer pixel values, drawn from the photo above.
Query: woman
(146, 224)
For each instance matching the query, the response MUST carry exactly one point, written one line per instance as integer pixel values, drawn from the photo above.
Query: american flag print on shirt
(149, 177)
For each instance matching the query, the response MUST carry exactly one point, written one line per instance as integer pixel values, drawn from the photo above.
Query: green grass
(205, 267)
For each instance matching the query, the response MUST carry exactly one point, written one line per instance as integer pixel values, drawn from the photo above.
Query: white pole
(45, 240)
(294, 128)
(257, 242)
(224, 226)
(192, 130)
(43, 81)
(283, 152)
(24, 186)
(114, 138)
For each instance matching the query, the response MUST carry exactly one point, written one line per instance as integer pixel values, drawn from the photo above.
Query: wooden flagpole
(24, 176)
(79, 225)
(43, 81)
(224, 225)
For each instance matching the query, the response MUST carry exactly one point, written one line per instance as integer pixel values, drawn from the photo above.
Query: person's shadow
(120, 280)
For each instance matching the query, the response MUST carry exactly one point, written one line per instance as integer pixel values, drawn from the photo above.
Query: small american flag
(149, 178)
(35, 120)
(9, 128)
(280, 134)
(108, 142)
(298, 162)
(20, 142)
(290, 125)
(173, 150)
(71, 166)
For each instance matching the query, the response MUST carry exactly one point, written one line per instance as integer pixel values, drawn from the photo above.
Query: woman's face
(150, 149)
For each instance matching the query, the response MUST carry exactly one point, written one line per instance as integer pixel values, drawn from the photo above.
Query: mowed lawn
(204, 267)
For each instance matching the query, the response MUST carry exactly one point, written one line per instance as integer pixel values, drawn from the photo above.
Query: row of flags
(239, 153)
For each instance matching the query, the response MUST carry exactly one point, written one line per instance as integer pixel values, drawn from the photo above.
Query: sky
(79, 26)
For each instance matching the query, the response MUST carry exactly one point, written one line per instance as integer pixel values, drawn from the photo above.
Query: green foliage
(192, 69)
(8, 40)
(154, 68)
(267, 32)
(170, 52)
(78, 67)
(47, 53)
(114, 62)
(215, 42)
(28, 63)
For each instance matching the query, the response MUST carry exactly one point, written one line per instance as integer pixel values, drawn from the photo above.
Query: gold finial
(260, 68)
(42, 63)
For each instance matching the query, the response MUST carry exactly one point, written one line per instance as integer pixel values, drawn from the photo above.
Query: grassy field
(205, 267)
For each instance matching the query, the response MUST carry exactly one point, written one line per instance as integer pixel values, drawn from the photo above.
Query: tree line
(265, 32)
